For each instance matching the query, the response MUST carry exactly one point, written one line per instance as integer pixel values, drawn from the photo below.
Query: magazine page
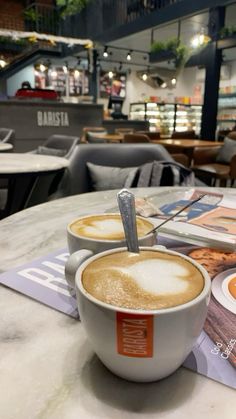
(214, 354)
(210, 221)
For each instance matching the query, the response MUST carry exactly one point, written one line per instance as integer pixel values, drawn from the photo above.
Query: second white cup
(80, 243)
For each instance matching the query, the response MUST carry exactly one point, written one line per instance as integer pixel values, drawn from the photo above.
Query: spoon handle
(126, 204)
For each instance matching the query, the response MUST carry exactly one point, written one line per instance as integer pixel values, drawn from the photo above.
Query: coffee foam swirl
(106, 227)
(148, 280)
(144, 275)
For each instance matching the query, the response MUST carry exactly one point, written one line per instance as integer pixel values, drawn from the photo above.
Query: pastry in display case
(159, 115)
(188, 118)
(168, 117)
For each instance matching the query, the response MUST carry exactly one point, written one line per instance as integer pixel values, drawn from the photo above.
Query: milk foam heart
(148, 280)
(156, 277)
(106, 227)
(101, 228)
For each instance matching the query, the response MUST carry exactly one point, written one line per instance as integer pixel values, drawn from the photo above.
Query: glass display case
(226, 118)
(168, 117)
(188, 117)
(159, 115)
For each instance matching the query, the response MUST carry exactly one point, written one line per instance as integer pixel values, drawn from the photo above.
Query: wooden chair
(85, 130)
(151, 135)
(184, 135)
(207, 169)
(135, 138)
(124, 131)
(181, 158)
(205, 164)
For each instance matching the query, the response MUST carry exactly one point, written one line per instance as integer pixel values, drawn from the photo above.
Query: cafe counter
(34, 121)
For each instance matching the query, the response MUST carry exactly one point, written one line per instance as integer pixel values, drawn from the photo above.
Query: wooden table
(186, 146)
(48, 368)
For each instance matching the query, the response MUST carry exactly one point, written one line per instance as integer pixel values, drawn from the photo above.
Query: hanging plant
(71, 7)
(172, 49)
(227, 31)
(32, 15)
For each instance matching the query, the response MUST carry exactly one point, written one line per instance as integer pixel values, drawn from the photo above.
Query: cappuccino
(106, 227)
(149, 280)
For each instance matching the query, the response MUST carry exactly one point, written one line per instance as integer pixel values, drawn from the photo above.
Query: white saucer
(220, 290)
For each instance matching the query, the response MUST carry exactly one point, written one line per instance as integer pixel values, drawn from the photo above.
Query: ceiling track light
(3, 63)
(42, 67)
(76, 73)
(53, 74)
(65, 68)
(173, 81)
(105, 52)
(144, 76)
(128, 56)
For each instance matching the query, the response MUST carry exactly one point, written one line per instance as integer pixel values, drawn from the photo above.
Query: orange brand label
(135, 335)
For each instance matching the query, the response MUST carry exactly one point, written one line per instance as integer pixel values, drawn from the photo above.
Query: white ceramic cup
(78, 246)
(170, 333)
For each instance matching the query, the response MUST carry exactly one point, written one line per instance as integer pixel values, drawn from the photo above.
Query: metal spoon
(126, 204)
(177, 213)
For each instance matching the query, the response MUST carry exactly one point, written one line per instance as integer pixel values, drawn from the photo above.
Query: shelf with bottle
(226, 116)
(222, 121)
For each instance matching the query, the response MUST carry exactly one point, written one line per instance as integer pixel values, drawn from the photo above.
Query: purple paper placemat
(44, 280)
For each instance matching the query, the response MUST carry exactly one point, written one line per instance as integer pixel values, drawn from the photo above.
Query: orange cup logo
(134, 335)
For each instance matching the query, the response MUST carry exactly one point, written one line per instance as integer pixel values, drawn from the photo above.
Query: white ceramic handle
(73, 263)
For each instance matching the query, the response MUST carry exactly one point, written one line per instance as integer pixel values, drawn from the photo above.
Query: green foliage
(176, 47)
(7, 40)
(158, 47)
(71, 7)
(173, 44)
(227, 31)
(31, 15)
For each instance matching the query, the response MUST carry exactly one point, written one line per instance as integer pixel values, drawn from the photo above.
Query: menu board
(115, 86)
(65, 84)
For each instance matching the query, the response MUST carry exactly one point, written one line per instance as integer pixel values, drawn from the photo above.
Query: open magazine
(209, 222)
(214, 354)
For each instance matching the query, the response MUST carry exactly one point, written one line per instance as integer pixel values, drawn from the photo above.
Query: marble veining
(27, 163)
(47, 367)
(5, 146)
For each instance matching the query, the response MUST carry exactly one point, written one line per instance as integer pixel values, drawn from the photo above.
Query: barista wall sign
(52, 119)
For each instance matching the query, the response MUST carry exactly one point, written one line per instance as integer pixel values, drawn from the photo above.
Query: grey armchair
(7, 135)
(66, 142)
(65, 145)
(77, 180)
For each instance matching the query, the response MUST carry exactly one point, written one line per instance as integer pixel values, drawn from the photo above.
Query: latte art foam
(148, 280)
(106, 227)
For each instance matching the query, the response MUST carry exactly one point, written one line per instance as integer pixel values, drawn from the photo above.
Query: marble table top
(47, 367)
(30, 163)
(5, 146)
